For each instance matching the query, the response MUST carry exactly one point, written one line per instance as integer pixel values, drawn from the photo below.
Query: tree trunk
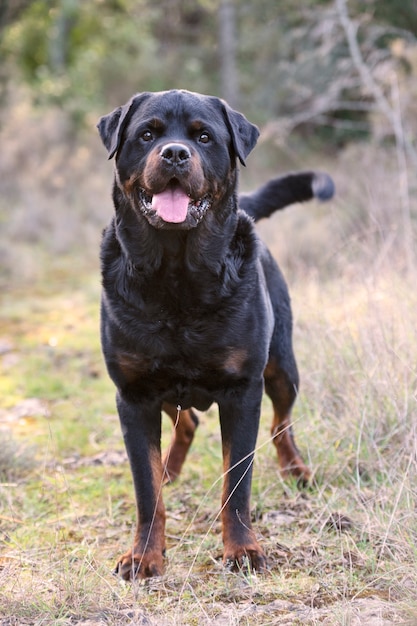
(227, 52)
(59, 42)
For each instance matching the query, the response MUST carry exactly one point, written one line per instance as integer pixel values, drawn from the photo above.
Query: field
(342, 552)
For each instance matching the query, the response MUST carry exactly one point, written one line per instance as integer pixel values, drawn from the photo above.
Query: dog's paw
(297, 469)
(133, 566)
(245, 559)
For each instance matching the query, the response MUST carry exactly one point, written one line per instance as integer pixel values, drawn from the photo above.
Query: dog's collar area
(196, 209)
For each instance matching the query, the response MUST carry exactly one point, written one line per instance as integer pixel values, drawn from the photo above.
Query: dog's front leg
(239, 419)
(141, 427)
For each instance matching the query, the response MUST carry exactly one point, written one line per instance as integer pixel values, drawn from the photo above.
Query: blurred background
(332, 85)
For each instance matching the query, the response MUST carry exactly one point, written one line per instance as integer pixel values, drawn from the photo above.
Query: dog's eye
(204, 137)
(147, 135)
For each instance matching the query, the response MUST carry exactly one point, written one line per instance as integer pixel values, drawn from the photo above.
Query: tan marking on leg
(145, 559)
(182, 437)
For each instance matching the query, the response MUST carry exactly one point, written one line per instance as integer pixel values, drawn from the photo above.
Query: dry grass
(54, 192)
(342, 553)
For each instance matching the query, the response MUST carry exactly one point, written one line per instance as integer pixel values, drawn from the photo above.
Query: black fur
(278, 193)
(194, 311)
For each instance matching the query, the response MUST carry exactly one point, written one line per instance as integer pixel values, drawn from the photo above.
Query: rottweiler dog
(194, 309)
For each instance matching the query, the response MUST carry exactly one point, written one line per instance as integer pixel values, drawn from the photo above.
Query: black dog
(194, 308)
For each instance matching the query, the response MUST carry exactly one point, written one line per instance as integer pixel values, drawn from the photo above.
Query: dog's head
(176, 154)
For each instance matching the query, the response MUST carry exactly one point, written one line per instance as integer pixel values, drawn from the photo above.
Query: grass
(343, 552)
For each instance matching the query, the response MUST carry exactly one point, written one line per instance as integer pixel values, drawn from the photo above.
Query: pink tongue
(171, 204)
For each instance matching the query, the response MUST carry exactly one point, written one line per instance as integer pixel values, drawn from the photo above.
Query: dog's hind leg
(185, 422)
(281, 387)
(281, 374)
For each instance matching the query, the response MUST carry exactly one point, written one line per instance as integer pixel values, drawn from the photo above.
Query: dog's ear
(244, 134)
(111, 126)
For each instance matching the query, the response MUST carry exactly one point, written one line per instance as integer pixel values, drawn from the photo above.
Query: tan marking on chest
(235, 360)
(132, 365)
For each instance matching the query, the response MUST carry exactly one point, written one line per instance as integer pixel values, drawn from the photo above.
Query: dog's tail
(278, 193)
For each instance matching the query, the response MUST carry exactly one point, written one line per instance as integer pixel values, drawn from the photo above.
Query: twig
(367, 78)
(364, 72)
(402, 171)
(14, 520)
(393, 114)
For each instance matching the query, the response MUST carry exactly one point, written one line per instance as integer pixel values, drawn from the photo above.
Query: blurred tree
(227, 52)
(401, 15)
(63, 21)
(287, 61)
(309, 81)
(83, 54)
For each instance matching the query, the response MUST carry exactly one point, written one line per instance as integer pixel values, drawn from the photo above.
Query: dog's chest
(179, 357)
(177, 322)
(183, 329)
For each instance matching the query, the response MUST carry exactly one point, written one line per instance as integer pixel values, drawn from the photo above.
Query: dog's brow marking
(197, 125)
(156, 123)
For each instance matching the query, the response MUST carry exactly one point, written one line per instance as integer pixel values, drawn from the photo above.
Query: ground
(341, 552)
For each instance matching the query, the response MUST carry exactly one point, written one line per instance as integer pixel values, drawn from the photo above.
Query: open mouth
(173, 205)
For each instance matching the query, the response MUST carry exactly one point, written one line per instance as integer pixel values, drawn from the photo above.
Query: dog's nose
(175, 153)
